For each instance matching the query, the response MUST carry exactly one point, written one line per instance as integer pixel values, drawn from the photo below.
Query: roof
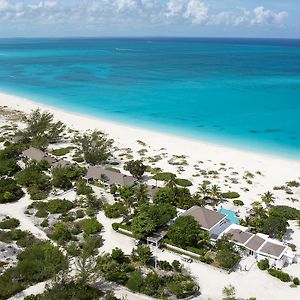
(239, 236)
(38, 155)
(273, 249)
(255, 242)
(205, 217)
(62, 164)
(151, 190)
(111, 177)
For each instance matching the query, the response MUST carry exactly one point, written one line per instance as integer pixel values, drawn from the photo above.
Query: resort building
(259, 245)
(37, 155)
(213, 222)
(109, 177)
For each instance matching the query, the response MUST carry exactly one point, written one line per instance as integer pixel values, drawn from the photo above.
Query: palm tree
(215, 192)
(141, 194)
(171, 183)
(268, 198)
(203, 190)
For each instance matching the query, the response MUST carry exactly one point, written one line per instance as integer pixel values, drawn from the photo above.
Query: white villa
(259, 245)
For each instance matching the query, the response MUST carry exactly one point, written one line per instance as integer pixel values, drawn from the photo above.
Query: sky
(131, 18)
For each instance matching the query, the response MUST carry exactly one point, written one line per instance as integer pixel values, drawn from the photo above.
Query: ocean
(243, 93)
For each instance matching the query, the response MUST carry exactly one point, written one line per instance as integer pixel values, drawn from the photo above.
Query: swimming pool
(230, 215)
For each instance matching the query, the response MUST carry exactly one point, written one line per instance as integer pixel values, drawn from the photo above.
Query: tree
(96, 147)
(135, 281)
(61, 233)
(9, 191)
(203, 190)
(184, 231)
(215, 191)
(136, 168)
(142, 225)
(275, 226)
(229, 292)
(142, 254)
(118, 255)
(268, 198)
(141, 194)
(91, 226)
(42, 130)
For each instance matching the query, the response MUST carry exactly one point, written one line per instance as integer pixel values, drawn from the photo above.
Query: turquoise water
(230, 215)
(238, 92)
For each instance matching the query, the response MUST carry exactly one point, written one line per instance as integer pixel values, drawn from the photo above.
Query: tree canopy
(136, 168)
(95, 146)
(42, 130)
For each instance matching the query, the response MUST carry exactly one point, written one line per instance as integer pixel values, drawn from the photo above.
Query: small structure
(62, 164)
(37, 155)
(213, 222)
(108, 176)
(155, 238)
(152, 190)
(261, 246)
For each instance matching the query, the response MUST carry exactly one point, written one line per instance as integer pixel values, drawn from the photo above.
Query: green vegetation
(136, 168)
(263, 264)
(62, 151)
(42, 130)
(184, 232)
(91, 226)
(126, 271)
(35, 180)
(226, 257)
(96, 147)
(230, 195)
(67, 291)
(9, 190)
(9, 223)
(55, 206)
(163, 176)
(285, 277)
(36, 263)
(150, 217)
(115, 210)
(286, 212)
(61, 233)
(62, 177)
(82, 188)
(238, 202)
(142, 254)
(183, 182)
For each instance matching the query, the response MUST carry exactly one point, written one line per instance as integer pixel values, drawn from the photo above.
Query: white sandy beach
(275, 171)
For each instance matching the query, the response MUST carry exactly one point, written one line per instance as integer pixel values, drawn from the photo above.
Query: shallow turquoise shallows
(230, 215)
(238, 92)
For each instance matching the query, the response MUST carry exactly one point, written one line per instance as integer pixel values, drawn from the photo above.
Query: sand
(276, 171)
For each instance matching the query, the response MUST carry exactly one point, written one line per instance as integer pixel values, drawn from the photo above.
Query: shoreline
(126, 136)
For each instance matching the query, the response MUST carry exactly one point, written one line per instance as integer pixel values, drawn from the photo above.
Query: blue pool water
(240, 92)
(230, 215)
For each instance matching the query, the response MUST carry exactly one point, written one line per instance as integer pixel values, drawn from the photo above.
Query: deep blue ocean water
(239, 92)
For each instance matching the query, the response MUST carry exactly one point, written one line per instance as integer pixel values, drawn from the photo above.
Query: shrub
(285, 277)
(115, 210)
(58, 206)
(80, 214)
(183, 182)
(238, 202)
(91, 226)
(164, 265)
(115, 226)
(42, 213)
(163, 176)
(61, 151)
(231, 195)
(296, 281)
(263, 264)
(9, 223)
(61, 233)
(9, 191)
(287, 212)
(135, 281)
(45, 223)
